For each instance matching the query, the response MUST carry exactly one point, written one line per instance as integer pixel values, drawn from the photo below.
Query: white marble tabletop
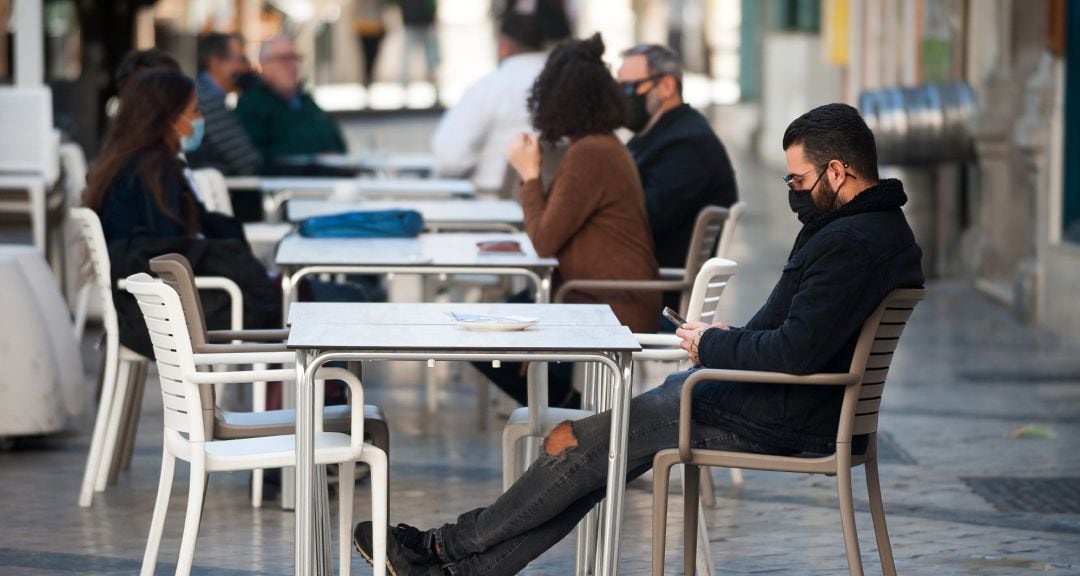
(444, 249)
(309, 330)
(422, 187)
(414, 314)
(434, 211)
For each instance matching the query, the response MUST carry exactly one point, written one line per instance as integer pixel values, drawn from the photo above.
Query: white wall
(794, 80)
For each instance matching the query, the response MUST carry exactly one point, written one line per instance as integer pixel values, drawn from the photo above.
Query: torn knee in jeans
(560, 440)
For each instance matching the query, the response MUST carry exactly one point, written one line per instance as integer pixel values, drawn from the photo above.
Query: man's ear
(668, 87)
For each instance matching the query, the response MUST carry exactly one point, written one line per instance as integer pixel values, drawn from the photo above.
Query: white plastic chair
(708, 285)
(124, 370)
(184, 437)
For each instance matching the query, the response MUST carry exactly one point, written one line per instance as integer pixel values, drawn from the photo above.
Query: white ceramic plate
(485, 323)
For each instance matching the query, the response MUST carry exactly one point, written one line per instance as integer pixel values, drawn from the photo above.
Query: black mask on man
(244, 80)
(637, 112)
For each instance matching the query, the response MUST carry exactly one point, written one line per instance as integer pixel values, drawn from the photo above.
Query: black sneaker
(401, 560)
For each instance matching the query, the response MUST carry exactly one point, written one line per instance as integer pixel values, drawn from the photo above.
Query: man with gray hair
(683, 165)
(281, 118)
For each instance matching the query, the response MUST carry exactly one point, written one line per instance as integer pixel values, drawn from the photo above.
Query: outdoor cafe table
(378, 161)
(439, 215)
(326, 332)
(278, 189)
(427, 254)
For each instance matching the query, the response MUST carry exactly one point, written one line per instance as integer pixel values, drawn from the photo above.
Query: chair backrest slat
(173, 353)
(709, 284)
(873, 357)
(704, 238)
(95, 270)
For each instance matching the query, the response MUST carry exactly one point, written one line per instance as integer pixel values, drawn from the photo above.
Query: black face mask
(802, 204)
(637, 112)
(244, 80)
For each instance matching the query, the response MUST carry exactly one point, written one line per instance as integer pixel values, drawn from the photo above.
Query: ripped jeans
(556, 492)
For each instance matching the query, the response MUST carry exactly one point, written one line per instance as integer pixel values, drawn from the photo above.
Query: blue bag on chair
(364, 224)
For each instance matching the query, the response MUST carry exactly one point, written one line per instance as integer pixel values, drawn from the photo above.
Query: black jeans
(556, 492)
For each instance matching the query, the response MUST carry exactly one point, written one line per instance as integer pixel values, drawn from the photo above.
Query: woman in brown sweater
(592, 216)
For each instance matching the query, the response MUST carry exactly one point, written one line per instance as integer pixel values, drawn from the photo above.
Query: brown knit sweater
(593, 221)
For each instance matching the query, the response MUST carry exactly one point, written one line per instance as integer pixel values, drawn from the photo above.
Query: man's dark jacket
(683, 168)
(843, 265)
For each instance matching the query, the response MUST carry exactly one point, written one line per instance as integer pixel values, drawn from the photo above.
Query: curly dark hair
(575, 94)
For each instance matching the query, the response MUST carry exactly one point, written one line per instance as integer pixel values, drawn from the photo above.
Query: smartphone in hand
(673, 316)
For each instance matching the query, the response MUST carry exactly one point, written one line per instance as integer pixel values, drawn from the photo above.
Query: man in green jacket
(280, 117)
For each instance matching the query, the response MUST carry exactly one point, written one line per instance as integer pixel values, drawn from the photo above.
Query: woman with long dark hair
(147, 207)
(591, 216)
(137, 184)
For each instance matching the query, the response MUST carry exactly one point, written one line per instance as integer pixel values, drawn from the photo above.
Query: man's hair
(264, 48)
(575, 94)
(139, 60)
(835, 132)
(523, 29)
(660, 60)
(213, 45)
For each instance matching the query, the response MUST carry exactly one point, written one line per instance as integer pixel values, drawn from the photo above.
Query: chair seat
(233, 425)
(274, 451)
(129, 355)
(803, 463)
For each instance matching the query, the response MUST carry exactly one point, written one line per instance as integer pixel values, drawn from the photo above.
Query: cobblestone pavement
(963, 495)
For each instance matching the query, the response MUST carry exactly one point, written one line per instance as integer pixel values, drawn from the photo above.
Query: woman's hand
(524, 156)
(691, 337)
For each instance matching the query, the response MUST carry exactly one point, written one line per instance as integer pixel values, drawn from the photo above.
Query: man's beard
(828, 199)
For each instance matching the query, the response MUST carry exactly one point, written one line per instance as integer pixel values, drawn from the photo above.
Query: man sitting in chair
(854, 248)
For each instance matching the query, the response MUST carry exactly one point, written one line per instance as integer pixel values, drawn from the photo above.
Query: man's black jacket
(683, 168)
(843, 265)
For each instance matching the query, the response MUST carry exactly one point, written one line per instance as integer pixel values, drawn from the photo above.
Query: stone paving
(966, 379)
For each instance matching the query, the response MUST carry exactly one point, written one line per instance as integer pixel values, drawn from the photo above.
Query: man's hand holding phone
(691, 332)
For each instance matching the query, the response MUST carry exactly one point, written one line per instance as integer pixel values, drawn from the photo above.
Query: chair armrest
(240, 348)
(236, 298)
(247, 335)
(227, 354)
(631, 285)
(667, 340)
(356, 403)
(756, 377)
(672, 273)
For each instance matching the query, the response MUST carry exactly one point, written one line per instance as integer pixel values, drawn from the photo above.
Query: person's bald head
(280, 65)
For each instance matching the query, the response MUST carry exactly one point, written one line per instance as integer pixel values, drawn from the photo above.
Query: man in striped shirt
(226, 145)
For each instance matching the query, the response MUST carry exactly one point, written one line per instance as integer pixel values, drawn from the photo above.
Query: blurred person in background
(419, 19)
(279, 116)
(226, 145)
(370, 29)
(683, 165)
(147, 207)
(592, 216)
(472, 137)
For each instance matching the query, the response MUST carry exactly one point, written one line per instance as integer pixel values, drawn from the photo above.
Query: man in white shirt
(472, 137)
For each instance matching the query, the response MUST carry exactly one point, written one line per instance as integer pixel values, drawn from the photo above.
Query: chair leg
(691, 489)
(847, 512)
(509, 457)
(346, 487)
(708, 490)
(736, 477)
(193, 518)
(101, 423)
(877, 511)
(380, 480)
(138, 391)
(161, 506)
(661, 478)
(117, 414)
(258, 404)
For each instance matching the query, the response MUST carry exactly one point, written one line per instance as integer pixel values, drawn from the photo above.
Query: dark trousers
(556, 492)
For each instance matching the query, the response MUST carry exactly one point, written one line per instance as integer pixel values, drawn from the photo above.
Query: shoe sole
(371, 561)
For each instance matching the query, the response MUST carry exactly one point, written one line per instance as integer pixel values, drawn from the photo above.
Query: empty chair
(864, 384)
(214, 192)
(175, 271)
(182, 384)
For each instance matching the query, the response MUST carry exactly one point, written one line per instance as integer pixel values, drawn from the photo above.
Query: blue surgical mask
(191, 143)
